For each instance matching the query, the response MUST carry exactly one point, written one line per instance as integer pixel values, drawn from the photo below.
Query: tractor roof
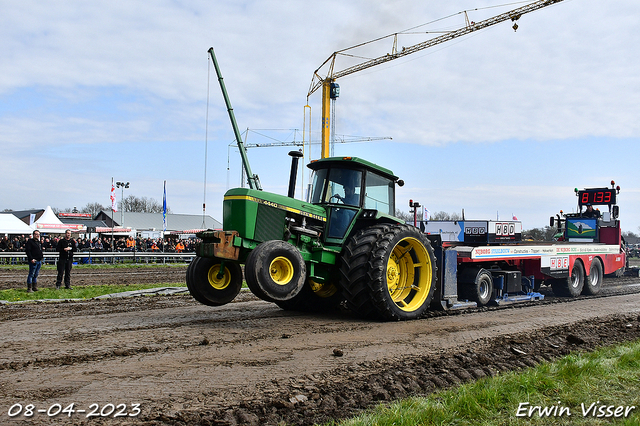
(351, 162)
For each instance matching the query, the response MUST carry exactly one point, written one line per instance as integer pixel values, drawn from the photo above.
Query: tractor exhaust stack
(295, 157)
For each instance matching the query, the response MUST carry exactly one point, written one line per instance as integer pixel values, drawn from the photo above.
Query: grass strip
(596, 388)
(120, 265)
(77, 292)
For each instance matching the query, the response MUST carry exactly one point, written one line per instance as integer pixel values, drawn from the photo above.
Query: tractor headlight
(369, 214)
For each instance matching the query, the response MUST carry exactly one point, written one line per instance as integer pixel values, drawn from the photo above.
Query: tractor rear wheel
(572, 285)
(275, 271)
(211, 284)
(388, 272)
(593, 282)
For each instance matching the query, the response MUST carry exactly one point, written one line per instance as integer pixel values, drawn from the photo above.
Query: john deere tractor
(343, 245)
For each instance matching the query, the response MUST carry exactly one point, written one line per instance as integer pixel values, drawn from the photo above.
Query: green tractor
(343, 245)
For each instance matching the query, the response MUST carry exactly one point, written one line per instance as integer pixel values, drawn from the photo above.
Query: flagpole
(164, 214)
(113, 200)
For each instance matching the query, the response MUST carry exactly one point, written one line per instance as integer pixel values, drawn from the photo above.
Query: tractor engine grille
(269, 223)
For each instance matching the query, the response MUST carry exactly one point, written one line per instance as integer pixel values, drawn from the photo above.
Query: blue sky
(495, 123)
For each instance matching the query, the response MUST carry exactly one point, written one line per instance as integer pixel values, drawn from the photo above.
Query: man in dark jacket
(66, 247)
(33, 249)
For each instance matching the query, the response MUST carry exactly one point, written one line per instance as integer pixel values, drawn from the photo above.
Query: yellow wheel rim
(281, 270)
(218, 283)
(323, 289)
(409, 274)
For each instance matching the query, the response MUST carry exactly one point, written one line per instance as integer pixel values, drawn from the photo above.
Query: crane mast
(332, 75)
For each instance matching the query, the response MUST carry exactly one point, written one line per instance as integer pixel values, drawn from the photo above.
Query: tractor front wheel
(212, 283)
(275, 271)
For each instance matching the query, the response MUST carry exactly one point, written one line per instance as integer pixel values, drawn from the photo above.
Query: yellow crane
(331, 90)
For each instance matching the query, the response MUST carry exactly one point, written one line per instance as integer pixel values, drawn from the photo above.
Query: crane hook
(514, 18)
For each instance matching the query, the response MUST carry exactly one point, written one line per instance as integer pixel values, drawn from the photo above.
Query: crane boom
(254, 181)
(302, 143)
(317, 81)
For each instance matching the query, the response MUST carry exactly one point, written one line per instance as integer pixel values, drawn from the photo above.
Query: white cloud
(114, 82)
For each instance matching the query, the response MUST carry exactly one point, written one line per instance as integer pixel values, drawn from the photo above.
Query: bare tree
(629, 234)
(93, 208)
(540, 234)
(441, 215)
(403, 215)
(131, 203)
(65, 210)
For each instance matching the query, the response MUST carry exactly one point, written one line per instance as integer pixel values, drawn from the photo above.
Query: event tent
(9, 224)
(50, 224)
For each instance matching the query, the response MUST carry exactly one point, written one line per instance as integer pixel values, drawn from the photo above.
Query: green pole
(254, 182)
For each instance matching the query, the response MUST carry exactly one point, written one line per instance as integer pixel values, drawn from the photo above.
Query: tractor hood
(259, 215)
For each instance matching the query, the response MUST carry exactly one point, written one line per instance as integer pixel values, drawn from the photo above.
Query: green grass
(78, 292)
(610, 375)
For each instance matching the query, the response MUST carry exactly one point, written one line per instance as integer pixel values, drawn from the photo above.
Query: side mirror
(400, 182)
(552, 221)
(615, 211)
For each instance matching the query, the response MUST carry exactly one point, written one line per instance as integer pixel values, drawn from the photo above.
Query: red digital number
(607, 197)
(585, 198)
(599, 197)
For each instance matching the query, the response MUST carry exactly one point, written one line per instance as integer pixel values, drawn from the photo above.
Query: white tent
(9, 224)
(50, 224)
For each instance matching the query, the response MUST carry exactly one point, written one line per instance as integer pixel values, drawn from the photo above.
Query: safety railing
(99, 257)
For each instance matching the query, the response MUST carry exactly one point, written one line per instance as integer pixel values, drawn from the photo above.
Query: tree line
(130, 203)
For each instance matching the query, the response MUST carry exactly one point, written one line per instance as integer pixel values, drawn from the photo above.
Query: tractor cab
(350, 188)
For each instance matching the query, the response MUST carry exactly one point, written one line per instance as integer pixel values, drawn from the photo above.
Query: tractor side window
(317, 188)
(379, 194)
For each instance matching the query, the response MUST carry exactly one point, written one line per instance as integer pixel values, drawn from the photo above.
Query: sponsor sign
(72, 227)
(506, 252)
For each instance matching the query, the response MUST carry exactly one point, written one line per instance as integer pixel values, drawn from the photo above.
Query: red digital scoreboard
(597, 196)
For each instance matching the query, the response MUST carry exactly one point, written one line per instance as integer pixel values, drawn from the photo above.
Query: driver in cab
(591, 212)
(350, 197)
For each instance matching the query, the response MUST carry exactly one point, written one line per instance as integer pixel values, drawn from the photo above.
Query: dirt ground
(90, 276)
(251, 363)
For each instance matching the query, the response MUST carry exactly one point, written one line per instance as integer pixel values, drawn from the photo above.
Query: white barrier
(88, 257)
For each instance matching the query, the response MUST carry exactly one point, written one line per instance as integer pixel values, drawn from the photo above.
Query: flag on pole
(164, 208)
(114, 205)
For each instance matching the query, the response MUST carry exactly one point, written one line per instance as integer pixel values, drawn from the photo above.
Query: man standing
(66, 247)
(33, 249)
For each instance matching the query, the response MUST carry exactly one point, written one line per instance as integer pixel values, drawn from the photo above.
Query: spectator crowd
(105, 243)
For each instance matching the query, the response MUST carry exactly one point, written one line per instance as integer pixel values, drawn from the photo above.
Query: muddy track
(251, 363)
(89, 276)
